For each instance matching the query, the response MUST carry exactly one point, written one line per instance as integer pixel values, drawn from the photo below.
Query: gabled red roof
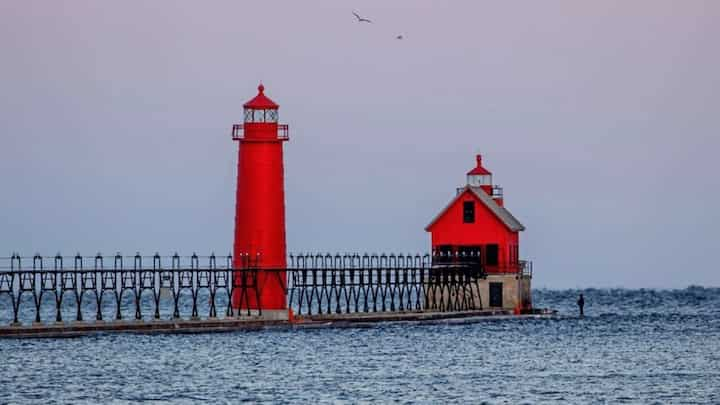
(261, 102)
(500, 212)
(479, 169)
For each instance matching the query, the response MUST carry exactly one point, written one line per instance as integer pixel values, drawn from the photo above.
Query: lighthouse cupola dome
(479, 176)
(261, 109)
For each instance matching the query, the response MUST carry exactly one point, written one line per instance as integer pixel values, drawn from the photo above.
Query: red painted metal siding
(450, 229)
(260, 212)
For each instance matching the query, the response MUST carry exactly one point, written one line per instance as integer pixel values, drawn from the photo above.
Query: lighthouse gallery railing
(115, 288)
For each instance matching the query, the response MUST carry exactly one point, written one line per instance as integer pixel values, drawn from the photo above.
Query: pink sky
(599, 119)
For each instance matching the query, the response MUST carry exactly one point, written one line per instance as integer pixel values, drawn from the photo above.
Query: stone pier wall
(515, 292)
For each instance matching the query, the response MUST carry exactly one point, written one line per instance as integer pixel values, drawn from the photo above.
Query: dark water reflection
(636, 346)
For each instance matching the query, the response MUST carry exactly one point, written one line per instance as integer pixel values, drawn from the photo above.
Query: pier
(77, 295)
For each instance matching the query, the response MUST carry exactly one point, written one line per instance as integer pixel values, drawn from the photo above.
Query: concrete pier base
(514, 293)
(275, 315)
(268, 319)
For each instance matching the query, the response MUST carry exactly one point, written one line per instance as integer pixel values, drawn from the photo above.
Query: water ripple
(635, 346)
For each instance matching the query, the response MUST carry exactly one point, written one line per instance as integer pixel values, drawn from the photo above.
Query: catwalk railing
(114, 288)
(522, 268)
(352, 283)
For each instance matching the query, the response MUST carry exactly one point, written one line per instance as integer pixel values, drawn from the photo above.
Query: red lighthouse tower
(260, 203)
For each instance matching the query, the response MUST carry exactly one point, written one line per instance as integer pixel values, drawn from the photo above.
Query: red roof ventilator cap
(479, 169)
(261, 101)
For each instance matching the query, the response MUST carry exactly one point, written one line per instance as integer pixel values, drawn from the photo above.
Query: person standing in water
(581, 304)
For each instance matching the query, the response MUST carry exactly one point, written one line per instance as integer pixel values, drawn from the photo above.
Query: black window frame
(468, 212)
(492, 254)
(444, 254)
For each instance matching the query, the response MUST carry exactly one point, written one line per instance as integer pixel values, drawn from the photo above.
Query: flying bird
(399, 37)
(360, 19)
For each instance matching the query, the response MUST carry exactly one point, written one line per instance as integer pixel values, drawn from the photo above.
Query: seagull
(360, 19)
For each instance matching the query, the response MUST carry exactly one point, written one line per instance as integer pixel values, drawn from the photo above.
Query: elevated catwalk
(69, 296)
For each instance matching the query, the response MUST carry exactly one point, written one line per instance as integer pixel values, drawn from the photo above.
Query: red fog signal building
(476, 227)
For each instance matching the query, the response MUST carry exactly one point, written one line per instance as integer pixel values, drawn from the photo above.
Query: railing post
(118, 266)
(137, 273)
(157, 283)
(98, 273)
(15, 266)
(38, 297)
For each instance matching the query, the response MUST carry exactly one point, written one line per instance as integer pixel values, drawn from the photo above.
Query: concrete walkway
(74, 329)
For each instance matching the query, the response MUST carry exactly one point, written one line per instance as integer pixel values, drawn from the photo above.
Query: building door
(496, 295)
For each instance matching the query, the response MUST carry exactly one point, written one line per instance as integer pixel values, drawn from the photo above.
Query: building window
(470, 254)
(271, 116)
(443, 254)
(469, 212)
(491, 255)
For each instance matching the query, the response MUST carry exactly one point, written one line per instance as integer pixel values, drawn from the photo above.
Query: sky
(601, 120)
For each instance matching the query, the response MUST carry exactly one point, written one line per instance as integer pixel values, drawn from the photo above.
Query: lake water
(633, 346)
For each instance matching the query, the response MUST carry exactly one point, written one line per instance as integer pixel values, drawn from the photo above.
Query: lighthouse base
(507, 292)
(265, 314)
(272, 314)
